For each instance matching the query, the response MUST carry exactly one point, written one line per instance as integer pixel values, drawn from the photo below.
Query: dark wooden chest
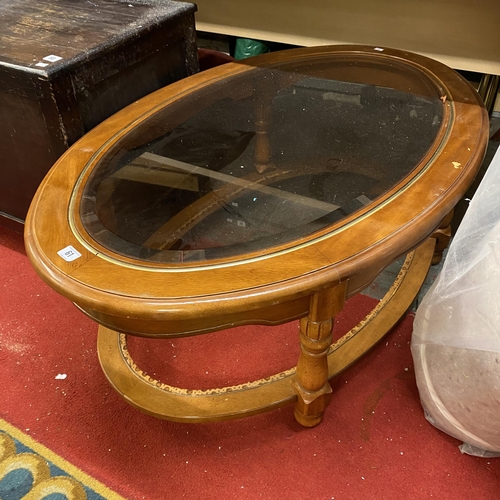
(66, 65)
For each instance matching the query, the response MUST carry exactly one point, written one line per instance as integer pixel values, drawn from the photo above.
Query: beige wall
(465, 34)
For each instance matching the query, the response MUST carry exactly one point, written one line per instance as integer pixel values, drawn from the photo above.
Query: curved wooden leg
(311, 380)
(442, 235)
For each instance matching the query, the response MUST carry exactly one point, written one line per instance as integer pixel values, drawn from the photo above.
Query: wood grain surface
(307, 278)
(74, 30)
(111, 287)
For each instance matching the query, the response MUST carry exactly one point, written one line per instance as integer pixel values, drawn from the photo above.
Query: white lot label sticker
(52, 58)
(69, 253)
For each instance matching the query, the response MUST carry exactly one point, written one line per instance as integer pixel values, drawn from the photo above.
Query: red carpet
(373, 443)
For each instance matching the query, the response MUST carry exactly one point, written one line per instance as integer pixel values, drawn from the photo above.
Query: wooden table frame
(308, 279)
(309, 388)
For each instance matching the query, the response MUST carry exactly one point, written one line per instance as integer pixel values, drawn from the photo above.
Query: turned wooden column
(262, 124)
(262, 146)
(311, 380)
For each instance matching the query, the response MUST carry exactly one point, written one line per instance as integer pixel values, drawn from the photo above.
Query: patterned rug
(29, 470)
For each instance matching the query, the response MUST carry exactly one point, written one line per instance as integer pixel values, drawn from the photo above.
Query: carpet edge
(59, 461)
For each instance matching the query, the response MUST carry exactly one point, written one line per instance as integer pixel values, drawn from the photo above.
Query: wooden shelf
(459, 33)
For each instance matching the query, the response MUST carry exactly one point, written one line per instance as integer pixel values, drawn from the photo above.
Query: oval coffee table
(259, 192)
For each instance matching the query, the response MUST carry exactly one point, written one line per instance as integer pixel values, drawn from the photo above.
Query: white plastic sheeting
(456, 338)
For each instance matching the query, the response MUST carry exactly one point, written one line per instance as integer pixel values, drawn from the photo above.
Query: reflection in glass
(260, 159)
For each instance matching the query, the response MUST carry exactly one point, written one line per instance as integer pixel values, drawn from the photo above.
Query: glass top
(262, 158)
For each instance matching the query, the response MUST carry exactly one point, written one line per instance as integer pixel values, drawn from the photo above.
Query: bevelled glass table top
(262, 158)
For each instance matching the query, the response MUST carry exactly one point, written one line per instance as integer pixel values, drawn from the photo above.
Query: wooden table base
(296, 384)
